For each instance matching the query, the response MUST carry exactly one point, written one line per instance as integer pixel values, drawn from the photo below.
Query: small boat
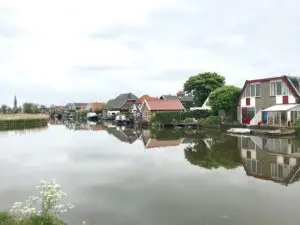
(239, 131)
(120, 120)
(92, 115)
(280, 132)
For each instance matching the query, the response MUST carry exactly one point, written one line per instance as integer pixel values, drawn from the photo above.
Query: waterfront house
(186, 100)
(95, 106)
(272, 101)
(150, 107)
(124, 134)
(120, 104)
(72, 107)
(136, 107)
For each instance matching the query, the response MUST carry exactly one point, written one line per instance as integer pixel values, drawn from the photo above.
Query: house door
(247, 115)
(265, 117)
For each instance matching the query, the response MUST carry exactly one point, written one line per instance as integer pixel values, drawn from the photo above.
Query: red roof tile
(164, 105)
(143, 98)
(97, 105)
(154, 143)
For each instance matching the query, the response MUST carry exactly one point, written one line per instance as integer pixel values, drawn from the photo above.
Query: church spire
(15, 102)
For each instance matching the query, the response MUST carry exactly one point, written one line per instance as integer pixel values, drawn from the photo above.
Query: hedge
(170, 117)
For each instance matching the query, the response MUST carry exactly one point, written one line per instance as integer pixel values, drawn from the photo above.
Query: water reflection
(271, 159)
(274, 159)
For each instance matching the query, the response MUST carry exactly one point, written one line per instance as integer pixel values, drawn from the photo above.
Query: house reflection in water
(271, 158)
(124, 134)
(152, 142)
(90, 126)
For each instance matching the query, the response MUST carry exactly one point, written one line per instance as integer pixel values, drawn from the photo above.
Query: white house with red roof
(150, 107)
(273, 101)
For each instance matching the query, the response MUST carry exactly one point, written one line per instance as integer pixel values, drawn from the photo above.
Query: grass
(6, 219)
(22, 116)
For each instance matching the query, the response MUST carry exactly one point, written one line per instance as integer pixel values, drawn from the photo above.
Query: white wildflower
(48, 201)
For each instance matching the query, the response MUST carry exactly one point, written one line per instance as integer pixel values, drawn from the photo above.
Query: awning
(284, 107)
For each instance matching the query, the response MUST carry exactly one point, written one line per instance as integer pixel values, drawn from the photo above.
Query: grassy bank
(22, 121)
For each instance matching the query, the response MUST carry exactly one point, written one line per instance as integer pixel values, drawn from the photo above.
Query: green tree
(225, 98)
(201, 85)
(4, 108)
(30, 108)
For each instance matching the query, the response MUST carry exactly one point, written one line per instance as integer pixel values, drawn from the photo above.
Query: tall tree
(201, 85)
(225, 98)
(30, 108)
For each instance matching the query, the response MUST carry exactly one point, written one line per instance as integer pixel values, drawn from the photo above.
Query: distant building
(95, 106)
(15, 102)
(120, 104)
(186, 100)
(150, 107)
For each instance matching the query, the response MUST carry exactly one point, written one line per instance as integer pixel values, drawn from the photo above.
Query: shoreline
(22, 121)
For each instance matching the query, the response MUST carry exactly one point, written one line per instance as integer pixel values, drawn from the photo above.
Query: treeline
(29, 108)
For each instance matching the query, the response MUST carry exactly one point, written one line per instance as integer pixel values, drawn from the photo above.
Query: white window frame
(250, 94)
(282, 84)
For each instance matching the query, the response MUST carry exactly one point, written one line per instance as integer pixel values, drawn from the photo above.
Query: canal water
(125, 176)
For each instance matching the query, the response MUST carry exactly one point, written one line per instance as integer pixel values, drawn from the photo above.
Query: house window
(278, 88)
(257, 87)
(253, 90)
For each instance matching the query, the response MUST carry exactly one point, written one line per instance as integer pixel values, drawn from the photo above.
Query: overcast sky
(62, 51)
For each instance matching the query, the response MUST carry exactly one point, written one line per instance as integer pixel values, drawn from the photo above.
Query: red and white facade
(259, 97)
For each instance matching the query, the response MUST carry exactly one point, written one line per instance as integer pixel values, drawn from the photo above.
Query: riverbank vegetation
(43, 209)
(22, 121)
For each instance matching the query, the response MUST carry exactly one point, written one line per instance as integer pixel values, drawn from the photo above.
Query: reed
(22, 121)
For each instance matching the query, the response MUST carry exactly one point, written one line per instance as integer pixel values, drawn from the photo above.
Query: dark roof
(80, 105)
(294, 83)
(169, 97)
(119, 101)
(186, 98)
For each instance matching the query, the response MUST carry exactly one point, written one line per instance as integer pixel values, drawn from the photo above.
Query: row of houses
(273, 101)
(146, 106)
(138, 107)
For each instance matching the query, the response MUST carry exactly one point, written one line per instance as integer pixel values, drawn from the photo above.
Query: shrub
(213, 120)
(189, 120)
(296, 126)
(171, 117)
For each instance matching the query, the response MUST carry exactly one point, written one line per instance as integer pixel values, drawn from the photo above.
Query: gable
(284, 79)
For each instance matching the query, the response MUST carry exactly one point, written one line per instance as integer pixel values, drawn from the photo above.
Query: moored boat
(239, 131)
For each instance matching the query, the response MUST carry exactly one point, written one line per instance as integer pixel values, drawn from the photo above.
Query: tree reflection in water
(213, 152)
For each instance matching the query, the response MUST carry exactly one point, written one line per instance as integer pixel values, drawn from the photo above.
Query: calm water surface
(176, 177)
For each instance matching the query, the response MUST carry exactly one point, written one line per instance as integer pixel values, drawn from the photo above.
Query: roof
(97, 105)
(169, 97)
(284, 107)
(187, 98)
(293, 84)
(164, 105)
(143, 98)
(154, 143)
(80, 105)
(119, 101)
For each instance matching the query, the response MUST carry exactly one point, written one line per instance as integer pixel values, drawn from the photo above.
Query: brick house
(150, 107)
(271, 101)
